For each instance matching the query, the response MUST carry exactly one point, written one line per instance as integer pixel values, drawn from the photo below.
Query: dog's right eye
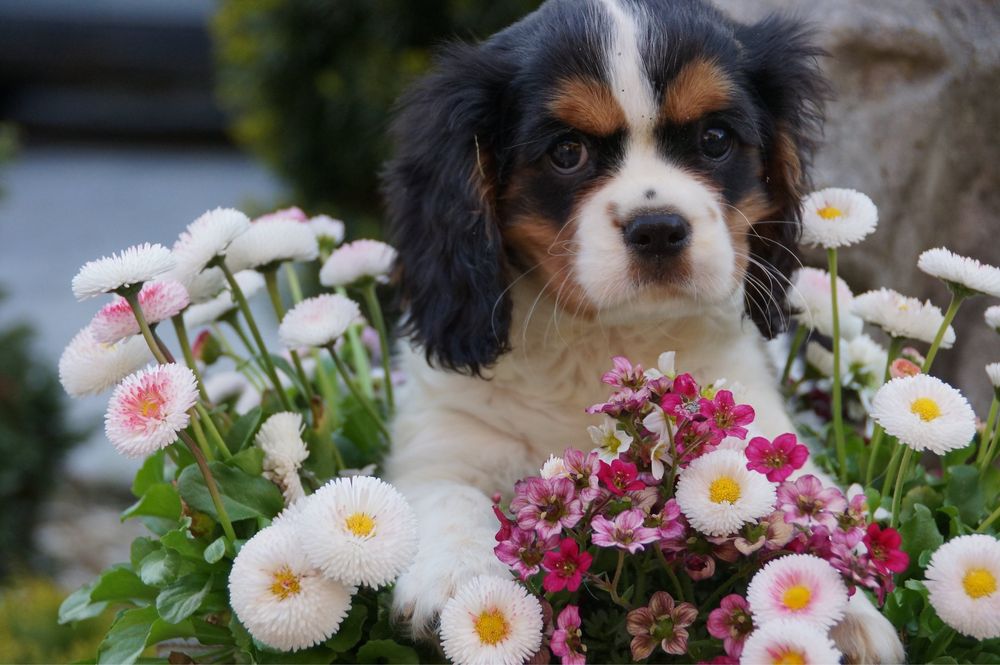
(568, 155)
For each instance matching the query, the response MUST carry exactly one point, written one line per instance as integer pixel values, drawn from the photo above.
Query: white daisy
(811, 299)
(787, 641)
(834, 218)
(250, 282)
(361, 531)
(993, 371)
(149, 408)
(992, 317)
(958, 270)
(554, 467)
(718, 494)
(924, 413)
(158, 301)
(821, 358)
(798, 586)
(132, 266)
(610, 441)
(491, 621)
(962, 579)
(902, 316)
(280, 437)
(88, 367)
(318, 321)
(265, 244)
(201, 287)
(207, 237)
(358, 260)
(281, 599)
(326, 228)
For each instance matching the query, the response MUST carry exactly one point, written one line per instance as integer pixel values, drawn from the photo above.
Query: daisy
(361, 531)
(812, 301)
(361, 259)
(718, 494)
(610, 441)
(88, 367)
(787, 641)
(266, 244)
(968, 274)
(554, 467)
(318, 321)
(962, 579)
(821, 359)
(925, 413)
(131, 267)
(294, 213)
(201, 287)
(902, 316)
(992, 317)
(835, 218)
(157, 300)
(282, 599)
(327, 229)
(798, 586)
(207, 237)
(993, 371)
(491, 621)
(149, 408)
(250, 282)
(280, 437)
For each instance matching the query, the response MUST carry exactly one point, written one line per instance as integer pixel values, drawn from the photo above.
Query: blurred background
(123, 120)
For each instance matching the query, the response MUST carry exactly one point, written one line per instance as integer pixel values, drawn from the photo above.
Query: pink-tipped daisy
(266, 244)
(789, 642)
(133, 266)
(833, 218)
(249, 281)
(924, 413)
(961, 272)
(88, 367)
(811, 300)
(318, 321)
(149, 408)
(206, 238)
(798, 586)
(963, 578)
(158, 300)
(358, 260)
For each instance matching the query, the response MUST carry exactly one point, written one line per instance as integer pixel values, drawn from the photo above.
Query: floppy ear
(440, 189)
(786, 78)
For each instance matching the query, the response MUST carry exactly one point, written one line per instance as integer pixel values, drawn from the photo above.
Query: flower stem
(360, 357)
(985, 442)
(271, 280)
(838, 408)
(353, 387)
(988, 521)
(132, 297)
(890, 473)
(213, 489)
(613, 589)
(199, 435)
(213, 431)
(897, 494)
(949, 316)
(895, 346)
(375, 311)
(293, 282)
(671, 575)
(182, 339)
(878, 434)
(994, 444)
(793, 352)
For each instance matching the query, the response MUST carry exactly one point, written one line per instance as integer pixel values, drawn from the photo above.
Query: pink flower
(901, 367)
(583, 469)
(699, 566)
(620, 477)
(294, 213)
(726, 415)
(683, 400)
(721, 660)
(524, 551)
(883, 549)
(771, 533)
(567, 640)
(625, 400)
(668, 522)
(778, 459)
(565, 567)
(158, 301)
(624, 375)
(149, 408)
(662, 622)
(731, 622)
(547, 505)
(505, 523)
(805, 502)
(626, 532)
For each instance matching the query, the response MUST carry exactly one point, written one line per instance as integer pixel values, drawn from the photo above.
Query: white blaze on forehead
(629, 81)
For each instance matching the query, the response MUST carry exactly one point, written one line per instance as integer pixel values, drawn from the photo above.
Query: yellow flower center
(979, 582)
(789, 658)
(149, 404)
(285, 584)
(926, 408)
(360, 524)
(724, 488)
(830, 212)
(492, 627)
(796, 597)
(612, 443)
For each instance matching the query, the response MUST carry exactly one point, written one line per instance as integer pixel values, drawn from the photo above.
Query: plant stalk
(793, 351)
(271, 280)
(213, 489)
(353, 387)
(375, 311)
(182, 339)
(837, 397)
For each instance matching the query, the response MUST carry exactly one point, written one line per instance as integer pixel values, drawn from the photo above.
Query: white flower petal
(718, 494)
(788, 640)
(835, 217)
(901, 316)
(798, 586)
(149, 408)
(318, 321)
(961, 270)
(963, 578)
(88, 367)
(267, 243)
(357, 260)
(135, 265)
(925, 413)
(810, 297)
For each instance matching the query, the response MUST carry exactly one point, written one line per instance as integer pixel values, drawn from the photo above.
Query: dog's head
(638, 158)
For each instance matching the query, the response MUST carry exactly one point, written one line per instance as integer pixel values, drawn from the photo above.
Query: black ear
(440, 189)
(784, 73)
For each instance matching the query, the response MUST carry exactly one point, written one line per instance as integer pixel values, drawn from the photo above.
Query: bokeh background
(122, 120)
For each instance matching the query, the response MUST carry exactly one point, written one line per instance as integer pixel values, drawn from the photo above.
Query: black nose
(660, 234)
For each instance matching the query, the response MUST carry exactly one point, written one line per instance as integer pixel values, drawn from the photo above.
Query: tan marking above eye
(587, 105)
(701, 87)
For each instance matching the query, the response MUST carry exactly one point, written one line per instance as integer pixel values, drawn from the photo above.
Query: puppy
(605, 177)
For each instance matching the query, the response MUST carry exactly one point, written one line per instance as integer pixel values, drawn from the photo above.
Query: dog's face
(637, 159)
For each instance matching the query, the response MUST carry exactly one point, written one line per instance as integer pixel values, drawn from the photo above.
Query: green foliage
(310, 83)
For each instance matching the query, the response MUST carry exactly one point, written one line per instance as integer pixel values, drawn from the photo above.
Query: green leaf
(140, 549)
(126, 640)
(121, 584)
(160, 567)
(150, 473)
(244, 496)
(181, 542)
(182, 598)
(350, 630)
(919, 533)
(241, 433)
(78, 605)
(250, 460)
(386, 651)
(956, 457)
(286, 368)
(209, 633)
(160, 500)
(965, 492)
(216, 550)
(920, 494)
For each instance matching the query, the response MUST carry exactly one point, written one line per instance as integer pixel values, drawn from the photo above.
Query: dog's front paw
(865, 636)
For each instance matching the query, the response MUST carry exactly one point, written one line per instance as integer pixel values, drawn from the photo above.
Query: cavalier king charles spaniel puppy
(604, 177)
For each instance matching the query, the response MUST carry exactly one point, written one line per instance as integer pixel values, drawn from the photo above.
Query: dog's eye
(568, 155)
(716, 142)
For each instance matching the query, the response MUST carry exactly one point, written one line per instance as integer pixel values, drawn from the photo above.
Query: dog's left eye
(716, 142)
(568, 155)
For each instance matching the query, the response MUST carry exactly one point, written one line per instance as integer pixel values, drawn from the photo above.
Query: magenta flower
(699, 566)
(805, 502)
(583, 469)
(668, 523)
(620, 477)
(883, 550)
(727, 415)
(626, 532)
(503, 533)
(731, 622)
(662, 622)
(683, 400)
(625, 400)
(565, 567)
(776, 459)
(624, 374)
(524, 551)
(547, 505)
(567, 640)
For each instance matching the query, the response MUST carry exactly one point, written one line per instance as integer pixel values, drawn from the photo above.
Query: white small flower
(201, 287)
(282, 599)
(491, 621)
(718, 494)
(992, 317)
(665, 366)
(249, 281)
(135, 265)
(811, 299)
(280, 437)
(798, 586)
(206, 238)
(789, 641)
(993, 371)
(821, 359)
(962, 579)
(960, 270)
(158, 301)
(266, 244)
(554, 467)
(902, 316)
(325, 227)
(835, 217)
(361, 531)
(88, 367)
(318, 321)
(925, 413)
(358, 260)
(610, 441)
(149, 408)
